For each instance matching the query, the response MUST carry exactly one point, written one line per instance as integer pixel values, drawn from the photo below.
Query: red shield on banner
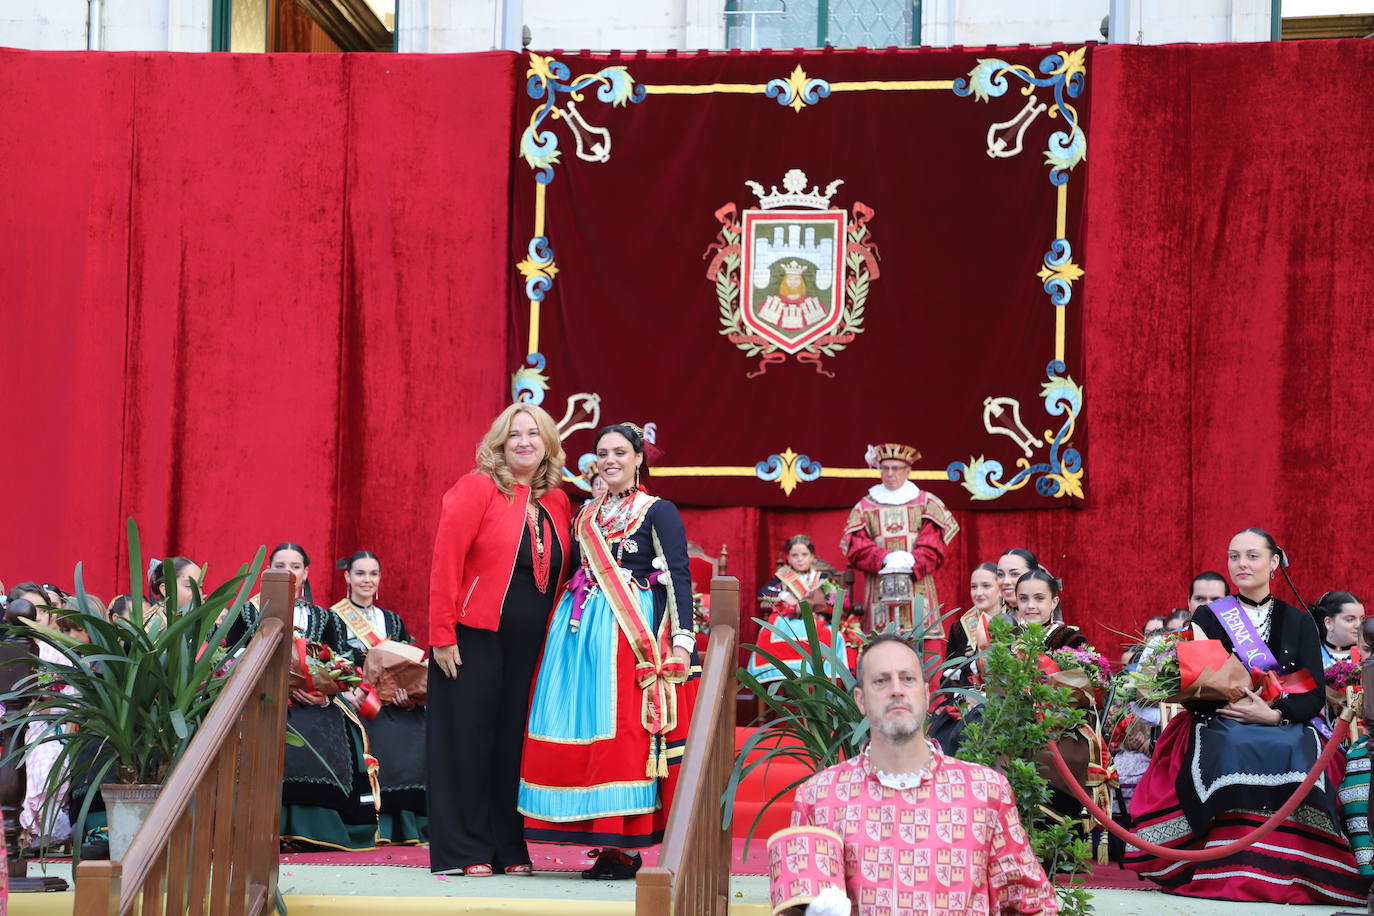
(792, 289)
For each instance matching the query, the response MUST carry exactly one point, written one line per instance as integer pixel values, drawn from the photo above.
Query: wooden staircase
(209, 845)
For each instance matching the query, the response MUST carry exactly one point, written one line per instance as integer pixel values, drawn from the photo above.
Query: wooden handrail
(210, 841)
(692, 877)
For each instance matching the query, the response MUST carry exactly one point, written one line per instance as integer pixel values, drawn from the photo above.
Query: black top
(1294, 640)
(637, 554)
(522, 575)
(321, 626)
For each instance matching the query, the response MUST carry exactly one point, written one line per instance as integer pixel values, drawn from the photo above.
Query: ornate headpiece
(893, 451)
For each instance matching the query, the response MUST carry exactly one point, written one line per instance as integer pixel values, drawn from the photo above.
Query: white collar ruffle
(898, 497)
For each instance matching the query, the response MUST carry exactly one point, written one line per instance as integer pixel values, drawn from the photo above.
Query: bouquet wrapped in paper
(391, 665)
(1204, 670)
(1180, 669)
(314, 667)
(1085, 672)
(1208, 672)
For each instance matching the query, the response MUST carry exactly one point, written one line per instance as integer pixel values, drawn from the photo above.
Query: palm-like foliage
(141, 686)
(815, 718)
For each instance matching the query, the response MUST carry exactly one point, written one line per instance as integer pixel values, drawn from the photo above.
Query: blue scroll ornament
(547, 80)
(1060, 272)
(1065, 74)
(797, 90)
(788, 469)
(1060, 475)
(528, 383)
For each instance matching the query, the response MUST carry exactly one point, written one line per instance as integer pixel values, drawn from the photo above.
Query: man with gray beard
(901, 829)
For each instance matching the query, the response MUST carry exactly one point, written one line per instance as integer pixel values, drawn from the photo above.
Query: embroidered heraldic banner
(773, 261)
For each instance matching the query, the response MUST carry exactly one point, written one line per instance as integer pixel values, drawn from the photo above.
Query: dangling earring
(636, 477)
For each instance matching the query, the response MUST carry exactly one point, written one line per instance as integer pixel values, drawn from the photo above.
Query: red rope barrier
(1206, 855)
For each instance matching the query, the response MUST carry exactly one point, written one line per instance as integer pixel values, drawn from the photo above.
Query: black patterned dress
(396, 738)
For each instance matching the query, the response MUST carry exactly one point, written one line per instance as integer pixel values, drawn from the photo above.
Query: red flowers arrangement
(317, 669)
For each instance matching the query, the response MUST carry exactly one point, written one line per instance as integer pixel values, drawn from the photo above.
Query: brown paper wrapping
(1223, 685)
(391, 665)
(324, 685)
(1082, 690)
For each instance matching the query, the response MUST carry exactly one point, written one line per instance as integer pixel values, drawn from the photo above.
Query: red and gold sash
(657, 670)
(358, 622)
(975, 625)
(795, 583)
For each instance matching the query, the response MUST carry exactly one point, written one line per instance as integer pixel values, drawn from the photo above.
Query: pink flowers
(1343, 674)
(1090, 660)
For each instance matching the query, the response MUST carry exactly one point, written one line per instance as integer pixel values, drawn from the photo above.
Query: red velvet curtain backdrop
(1226, 330)
(249, 300)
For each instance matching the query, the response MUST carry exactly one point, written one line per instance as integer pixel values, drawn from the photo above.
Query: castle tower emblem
(781, 272)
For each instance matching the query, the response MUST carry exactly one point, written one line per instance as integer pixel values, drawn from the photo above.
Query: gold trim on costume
(352, 615)
(573, 790)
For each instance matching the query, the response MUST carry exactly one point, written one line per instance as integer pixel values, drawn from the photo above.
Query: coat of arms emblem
(792, 274)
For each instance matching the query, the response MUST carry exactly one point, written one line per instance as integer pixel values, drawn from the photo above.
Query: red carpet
(1112, 877)
(547, 857)
(573, 858)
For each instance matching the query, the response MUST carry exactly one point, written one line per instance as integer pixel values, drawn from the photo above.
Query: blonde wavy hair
(491, 451)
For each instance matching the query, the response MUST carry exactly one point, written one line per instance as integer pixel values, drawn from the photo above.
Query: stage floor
(340, 889)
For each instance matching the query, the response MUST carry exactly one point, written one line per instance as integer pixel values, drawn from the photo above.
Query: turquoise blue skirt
(584, 716)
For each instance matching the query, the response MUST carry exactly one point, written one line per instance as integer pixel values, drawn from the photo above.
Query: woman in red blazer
(498, 566)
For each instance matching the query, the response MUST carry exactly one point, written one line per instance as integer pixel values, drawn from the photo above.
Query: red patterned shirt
(951, 846)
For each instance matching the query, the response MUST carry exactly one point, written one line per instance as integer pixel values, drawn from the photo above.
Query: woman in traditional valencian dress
(498, 564)
(396, 735)
(969, 635)
(1339, 615)
(611, 702)
(1219, 771)
(1037, 601)
(328, 798)
(781, 599)
(1011, 566)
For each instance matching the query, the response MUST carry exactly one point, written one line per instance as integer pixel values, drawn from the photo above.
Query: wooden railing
(209, 845)
(692, 877)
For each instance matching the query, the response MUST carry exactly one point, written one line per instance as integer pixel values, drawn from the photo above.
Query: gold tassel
(651, 767)
(1102, 845)
(662, 757)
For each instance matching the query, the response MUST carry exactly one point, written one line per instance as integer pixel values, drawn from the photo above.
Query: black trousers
(476, 731)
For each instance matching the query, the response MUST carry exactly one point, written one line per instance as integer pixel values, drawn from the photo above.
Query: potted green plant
(127, 702)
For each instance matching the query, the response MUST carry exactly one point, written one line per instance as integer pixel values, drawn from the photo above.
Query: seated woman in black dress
(1219, 771)
(327, 799)
(397, 734)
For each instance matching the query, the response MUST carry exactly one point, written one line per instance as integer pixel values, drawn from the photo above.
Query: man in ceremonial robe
(898, 527)
(901, 829)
